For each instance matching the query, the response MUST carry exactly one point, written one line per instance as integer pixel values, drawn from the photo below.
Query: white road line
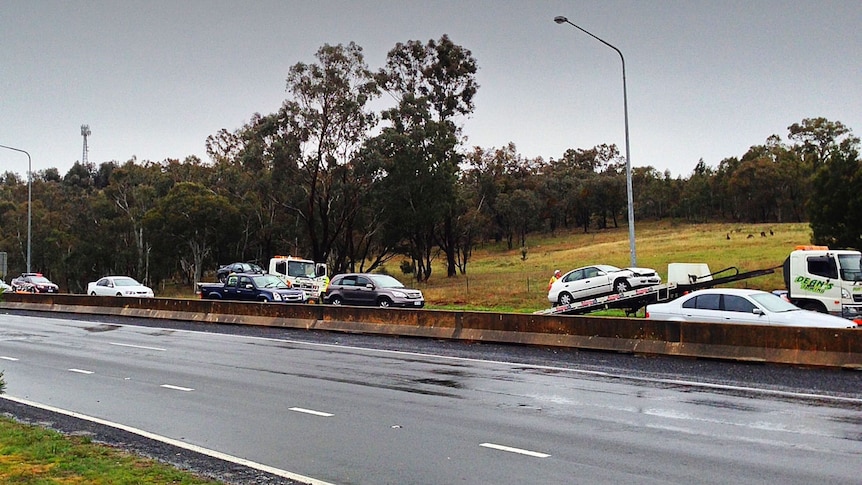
(177, 388)
(138, 346)
(197, 449)
(535, 454)
(311, 411)
(13, 359)
(81, 371)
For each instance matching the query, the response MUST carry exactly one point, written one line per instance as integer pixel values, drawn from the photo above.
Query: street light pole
(29, 198)
(563, 20)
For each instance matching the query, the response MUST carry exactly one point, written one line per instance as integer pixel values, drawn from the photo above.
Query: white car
(118, 286)
(735, 305)
(601, 279)
(5, 288)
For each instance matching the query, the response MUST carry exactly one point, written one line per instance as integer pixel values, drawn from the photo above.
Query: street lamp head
(560, 19)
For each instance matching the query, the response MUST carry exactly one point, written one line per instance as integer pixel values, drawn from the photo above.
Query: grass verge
(34, 455)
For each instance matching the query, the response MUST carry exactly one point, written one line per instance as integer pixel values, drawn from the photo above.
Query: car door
(364, 293)
(104, 287)
(346, 287)
(737, 309)
(573, 283)
(703, 308)
(230, 288)
(596, 282)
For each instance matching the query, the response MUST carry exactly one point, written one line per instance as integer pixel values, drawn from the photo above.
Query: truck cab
(300, 273)
(825, 280)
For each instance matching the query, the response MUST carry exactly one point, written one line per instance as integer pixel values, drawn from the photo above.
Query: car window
(244, 280)
(103, 282)
(690, 303)
(710, 301)
(574, 276)
(733, 303)
(348, 281)
(231, 281)
(385, 281)
(362, 281)
(591, 272)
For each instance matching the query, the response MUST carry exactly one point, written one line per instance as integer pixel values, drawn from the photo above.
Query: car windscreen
(269, 281)
(607, 268)
(40, 280)
(125, 282)
(385, 281)
(773, 303)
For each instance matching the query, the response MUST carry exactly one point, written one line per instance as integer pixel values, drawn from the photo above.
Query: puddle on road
(102, 328)
(440, 382)
(722, 404)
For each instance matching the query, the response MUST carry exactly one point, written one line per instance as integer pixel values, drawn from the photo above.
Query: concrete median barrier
(788, 345)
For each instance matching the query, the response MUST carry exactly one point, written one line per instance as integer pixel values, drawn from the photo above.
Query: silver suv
(371, 289)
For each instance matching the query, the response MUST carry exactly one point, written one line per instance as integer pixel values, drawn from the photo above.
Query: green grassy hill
(500, 279)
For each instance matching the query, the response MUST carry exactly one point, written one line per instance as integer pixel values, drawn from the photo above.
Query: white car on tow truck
(597, 280)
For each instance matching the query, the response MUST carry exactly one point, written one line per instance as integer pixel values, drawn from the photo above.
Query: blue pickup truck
(253, 287)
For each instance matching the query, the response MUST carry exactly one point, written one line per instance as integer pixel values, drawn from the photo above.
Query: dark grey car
(373, 290)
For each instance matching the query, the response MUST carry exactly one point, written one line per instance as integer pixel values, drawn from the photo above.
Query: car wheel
(32, 289)
(622, 286)
(335, 300)
(92, 293)
(119, 294)
(564, 299)
(384, 302)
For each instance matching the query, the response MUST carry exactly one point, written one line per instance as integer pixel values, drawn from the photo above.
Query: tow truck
(682, 278)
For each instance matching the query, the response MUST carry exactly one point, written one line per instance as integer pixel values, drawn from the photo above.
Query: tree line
(328, 178)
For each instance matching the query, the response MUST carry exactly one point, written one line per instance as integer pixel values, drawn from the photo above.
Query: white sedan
(735, 305)
(601, 279)
(118, 286)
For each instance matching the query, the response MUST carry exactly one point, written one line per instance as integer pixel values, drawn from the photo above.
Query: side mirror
(757, 311)
(249, 286)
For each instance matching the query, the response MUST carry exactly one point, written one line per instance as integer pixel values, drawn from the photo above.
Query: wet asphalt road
(482, 413)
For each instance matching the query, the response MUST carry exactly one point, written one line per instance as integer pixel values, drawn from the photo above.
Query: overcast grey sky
(706, 79)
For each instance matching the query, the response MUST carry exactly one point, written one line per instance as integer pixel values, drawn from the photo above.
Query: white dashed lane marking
(312, 412)
(519, 451)
(177, 388)
(139, 347)
(81, 371)
(13, 359)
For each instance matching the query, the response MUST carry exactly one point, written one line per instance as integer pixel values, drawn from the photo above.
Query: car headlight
(276, 297)
(399, 294)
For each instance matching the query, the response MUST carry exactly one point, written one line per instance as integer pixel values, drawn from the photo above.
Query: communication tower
(85, 132)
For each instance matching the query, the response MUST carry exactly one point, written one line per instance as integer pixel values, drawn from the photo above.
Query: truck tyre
(384, 302)
(813, 306)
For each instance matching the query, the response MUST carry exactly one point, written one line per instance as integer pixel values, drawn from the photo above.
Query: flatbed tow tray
(633, 300)
(630, 300)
